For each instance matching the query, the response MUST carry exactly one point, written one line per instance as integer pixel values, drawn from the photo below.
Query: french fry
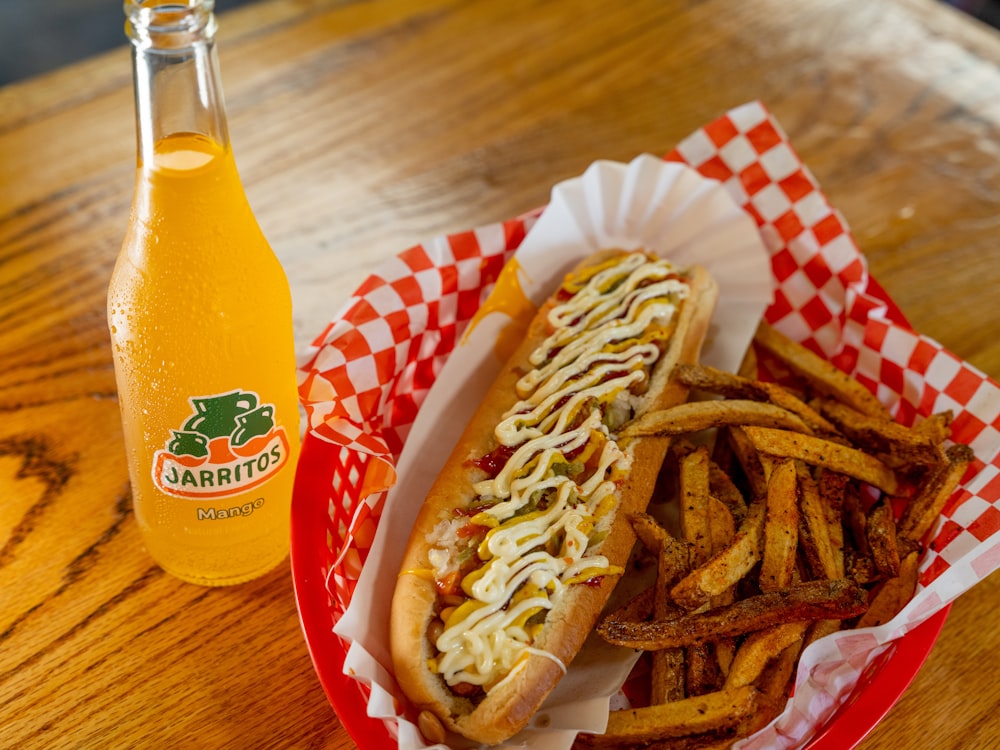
(721, 523)
(749, 461)
(937, 427)
(649, 531)
(759, 649)
(702, 713)
(732, 386)
(719, 739)
(892, 595)
(811, 600)
(720, 382)
(667, 677)
(723, 488)
(701, 669)
(781, 528)
(820, 629)
(861, 569)
(778, 674)
(880, 531)
(694, 493)
(725, 569)
(832, 486)
(922, 511)
(816, 530)
(821, 375)
(723, 533)
(695, 416)
(855, 520)
(820, 452)
(889, 441)
(788, 400)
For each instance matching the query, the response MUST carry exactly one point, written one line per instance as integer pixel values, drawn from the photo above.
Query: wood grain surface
(362, 128)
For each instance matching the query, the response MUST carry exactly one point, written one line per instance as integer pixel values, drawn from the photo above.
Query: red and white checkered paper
(368, 372)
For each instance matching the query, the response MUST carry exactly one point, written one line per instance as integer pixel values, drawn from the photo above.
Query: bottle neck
(178, 88)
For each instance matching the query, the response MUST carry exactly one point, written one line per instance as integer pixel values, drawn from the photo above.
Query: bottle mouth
(169, 24)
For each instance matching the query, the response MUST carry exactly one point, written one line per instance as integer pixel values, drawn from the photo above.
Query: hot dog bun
(426, 598)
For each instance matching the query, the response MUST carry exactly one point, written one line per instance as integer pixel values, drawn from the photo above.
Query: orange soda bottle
(200, 316)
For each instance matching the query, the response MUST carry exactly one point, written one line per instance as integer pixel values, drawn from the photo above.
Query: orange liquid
(201, 326)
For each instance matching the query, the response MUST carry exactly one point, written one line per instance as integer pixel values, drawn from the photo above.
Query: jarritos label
(228, 445)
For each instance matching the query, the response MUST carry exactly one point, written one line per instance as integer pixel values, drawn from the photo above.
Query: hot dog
(524, 534)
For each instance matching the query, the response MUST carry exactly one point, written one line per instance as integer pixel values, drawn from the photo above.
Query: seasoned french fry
(749, 460)
(822, 376)
(722, 487)
(694, 416)
(781, 528)
(723, 533)
(812, 600)
(816, 532)
(891, 442)
(892, 595)
(649, 531)
(855, 520)
(701, 673)
(832, 486)
(788, 400)
(819, 452)
(701, 669)
(922, 511)
(721, 523)
(673, 563)
(820, 629)
(937, 427)
(881, 534)
(667, 676)
(694, 493)
(668, 669)
(719, 739)
(702, 713)
(759, 649)
(720, 382)
(732, 386)
(727, 567)
(715, 740)
(861, 569)
(777, 676)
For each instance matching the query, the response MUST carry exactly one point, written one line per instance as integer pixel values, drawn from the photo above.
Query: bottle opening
(169, 24)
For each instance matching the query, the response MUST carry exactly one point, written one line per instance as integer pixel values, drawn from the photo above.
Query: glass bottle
(200, 316)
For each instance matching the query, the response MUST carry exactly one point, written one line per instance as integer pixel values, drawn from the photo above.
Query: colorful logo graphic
(228, 445)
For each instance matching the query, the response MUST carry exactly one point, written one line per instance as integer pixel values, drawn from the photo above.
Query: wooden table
(362, 128)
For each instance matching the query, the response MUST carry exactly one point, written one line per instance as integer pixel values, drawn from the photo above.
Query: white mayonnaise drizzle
(600, 349)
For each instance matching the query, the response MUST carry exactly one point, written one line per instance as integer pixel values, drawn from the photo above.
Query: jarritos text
(228, 445)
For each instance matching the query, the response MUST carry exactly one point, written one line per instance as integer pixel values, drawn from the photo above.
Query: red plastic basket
(317, 534)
